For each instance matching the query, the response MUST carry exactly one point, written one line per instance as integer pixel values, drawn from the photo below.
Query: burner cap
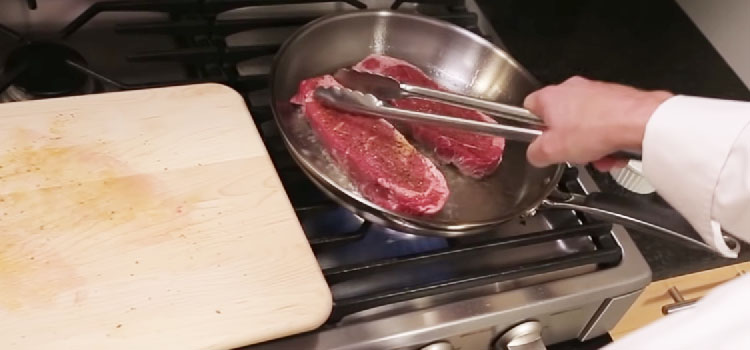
(47, 75)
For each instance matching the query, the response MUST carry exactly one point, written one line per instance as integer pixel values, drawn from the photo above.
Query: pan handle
(634, 213)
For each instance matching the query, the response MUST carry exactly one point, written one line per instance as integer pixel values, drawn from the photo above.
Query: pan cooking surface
(453, 57)
(492, 191)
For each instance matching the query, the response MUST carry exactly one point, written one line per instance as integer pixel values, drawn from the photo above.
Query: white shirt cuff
(686, 144)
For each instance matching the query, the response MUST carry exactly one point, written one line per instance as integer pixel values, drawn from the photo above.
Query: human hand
(588, 120)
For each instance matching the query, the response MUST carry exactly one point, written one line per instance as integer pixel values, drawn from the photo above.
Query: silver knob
(443, 345)
(525, 336)
(679, 302)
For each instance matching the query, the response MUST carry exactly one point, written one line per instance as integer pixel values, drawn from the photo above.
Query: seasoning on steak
(473, 154)
(386, 169)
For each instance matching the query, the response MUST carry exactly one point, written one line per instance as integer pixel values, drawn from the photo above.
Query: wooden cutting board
(149, 219)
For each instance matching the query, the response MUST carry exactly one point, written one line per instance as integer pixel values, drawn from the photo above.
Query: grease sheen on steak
(473, 154)
(386, 169)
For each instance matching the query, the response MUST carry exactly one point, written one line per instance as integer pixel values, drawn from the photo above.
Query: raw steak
(378, 159)
(474, 155)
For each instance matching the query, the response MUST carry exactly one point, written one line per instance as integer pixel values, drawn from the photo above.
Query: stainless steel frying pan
(468, 64)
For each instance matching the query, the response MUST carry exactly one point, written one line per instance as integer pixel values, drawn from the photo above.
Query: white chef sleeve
(696, 153)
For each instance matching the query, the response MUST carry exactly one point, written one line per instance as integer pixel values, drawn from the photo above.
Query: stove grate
(202, 37)
(607, 253)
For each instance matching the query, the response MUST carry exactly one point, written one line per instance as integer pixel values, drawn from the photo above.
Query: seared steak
(473, 154)
(386, 169)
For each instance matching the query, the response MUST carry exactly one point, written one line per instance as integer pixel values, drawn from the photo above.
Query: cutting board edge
(325, 310)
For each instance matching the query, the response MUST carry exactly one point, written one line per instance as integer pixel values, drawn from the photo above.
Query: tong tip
(337, 95)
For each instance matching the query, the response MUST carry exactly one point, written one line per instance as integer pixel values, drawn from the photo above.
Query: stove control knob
(443, 345)
(525, 336)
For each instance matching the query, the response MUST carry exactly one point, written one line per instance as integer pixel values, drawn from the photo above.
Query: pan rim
(364, 207)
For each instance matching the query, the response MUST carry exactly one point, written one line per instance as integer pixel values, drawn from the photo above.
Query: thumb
(531, 102)
(537, 101)
(540, 151)
(608, 163)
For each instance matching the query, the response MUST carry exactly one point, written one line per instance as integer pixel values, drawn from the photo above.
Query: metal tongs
(359, 103)
(366, 94)
(386, 88)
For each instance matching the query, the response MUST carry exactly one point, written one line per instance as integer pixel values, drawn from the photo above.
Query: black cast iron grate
(201, 37)
(607, 253)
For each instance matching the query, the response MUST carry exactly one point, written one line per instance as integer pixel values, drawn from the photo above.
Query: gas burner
(45, 72)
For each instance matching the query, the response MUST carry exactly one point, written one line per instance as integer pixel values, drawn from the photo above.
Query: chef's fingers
(608, 163)
(603, 165)
(531, 102)
(543, 151)
(535, 102)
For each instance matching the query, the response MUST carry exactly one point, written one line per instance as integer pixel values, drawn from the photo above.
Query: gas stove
(552, 277)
